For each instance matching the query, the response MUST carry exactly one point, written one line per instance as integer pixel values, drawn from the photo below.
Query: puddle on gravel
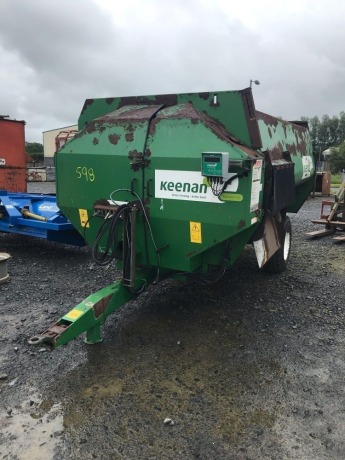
(196, 380)
(30, 431)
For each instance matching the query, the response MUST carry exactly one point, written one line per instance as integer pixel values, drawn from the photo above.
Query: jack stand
(93, 335)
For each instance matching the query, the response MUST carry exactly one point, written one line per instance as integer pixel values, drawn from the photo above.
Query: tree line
(329, 133)
(35, 150)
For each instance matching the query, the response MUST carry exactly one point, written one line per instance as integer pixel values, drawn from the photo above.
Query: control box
(215, 164)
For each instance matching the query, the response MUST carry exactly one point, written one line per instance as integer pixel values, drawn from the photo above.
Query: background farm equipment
(332, 217)
(36, 215)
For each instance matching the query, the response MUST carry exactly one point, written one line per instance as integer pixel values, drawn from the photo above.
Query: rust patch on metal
(152, 128)
(187, 111)
(299, 133)
(138, 160)
(284, 128)
(136, 166)
(129, 137)
(241, 224)
(148, 153)
(87, 103)
(91, 127)
(114, 138)
(251, 119)
(129, 115)
(110, 100)
(180, 111)
(134, 154)
(268, 119)
(95, 141)
(101, 305)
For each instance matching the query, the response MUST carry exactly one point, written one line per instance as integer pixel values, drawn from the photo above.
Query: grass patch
(336, 180)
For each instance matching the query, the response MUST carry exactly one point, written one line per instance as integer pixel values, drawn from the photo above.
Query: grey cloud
(54, 55)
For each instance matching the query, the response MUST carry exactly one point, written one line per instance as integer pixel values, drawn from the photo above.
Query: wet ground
(250, 368)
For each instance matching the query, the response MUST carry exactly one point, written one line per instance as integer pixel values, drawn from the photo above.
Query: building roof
(60, 129)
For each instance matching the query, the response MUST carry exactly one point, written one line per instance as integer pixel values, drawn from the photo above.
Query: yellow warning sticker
(84, 218)
(195, 232)
(74, 314)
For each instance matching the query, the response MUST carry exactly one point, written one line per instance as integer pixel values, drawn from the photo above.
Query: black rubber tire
(279, 261)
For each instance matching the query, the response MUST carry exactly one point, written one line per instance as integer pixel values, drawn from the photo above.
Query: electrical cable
(146, 219)
(218, 187)
(109, 230)
(87, 223)
(204, 280)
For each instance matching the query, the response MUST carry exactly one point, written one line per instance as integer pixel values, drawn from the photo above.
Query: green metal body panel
(152, 146)
(279, 136)
(234, 110)
(103, 159)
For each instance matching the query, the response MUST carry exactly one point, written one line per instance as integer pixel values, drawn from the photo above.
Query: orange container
(12, 155)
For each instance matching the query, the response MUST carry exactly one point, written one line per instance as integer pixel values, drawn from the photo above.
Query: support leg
(93, 335)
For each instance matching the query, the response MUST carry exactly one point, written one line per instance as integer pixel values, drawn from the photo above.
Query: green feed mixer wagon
(176, 186)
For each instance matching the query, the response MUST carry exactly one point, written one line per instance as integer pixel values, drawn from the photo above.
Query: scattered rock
(3, 376)
(169, 422)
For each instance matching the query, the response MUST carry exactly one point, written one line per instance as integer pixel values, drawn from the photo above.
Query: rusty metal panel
(13, 179)
(233, 110)
(12, 155)
(279, 136)
(269, 243)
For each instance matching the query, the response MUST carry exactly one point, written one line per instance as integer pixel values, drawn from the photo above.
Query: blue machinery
(36, 215)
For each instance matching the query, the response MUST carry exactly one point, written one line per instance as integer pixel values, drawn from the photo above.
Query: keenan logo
(184, 187)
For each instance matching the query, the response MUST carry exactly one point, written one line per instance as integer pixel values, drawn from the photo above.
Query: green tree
(333, 131)
(341, 127)
(314, 126)
(35, 150)
(337, 158)
(326, 133)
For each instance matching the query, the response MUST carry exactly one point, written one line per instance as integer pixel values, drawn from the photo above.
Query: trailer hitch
(88, 316)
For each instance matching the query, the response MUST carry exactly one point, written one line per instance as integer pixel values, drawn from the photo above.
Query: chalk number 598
(85, 173)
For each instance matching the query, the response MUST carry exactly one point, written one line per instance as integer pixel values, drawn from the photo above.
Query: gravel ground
(250, 368)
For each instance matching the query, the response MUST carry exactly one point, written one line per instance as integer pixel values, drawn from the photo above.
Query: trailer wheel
(279, 261)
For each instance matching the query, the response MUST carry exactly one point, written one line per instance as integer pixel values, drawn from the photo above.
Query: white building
(49, 141)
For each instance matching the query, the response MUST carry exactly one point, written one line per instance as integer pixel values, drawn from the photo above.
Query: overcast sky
(56, 54)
